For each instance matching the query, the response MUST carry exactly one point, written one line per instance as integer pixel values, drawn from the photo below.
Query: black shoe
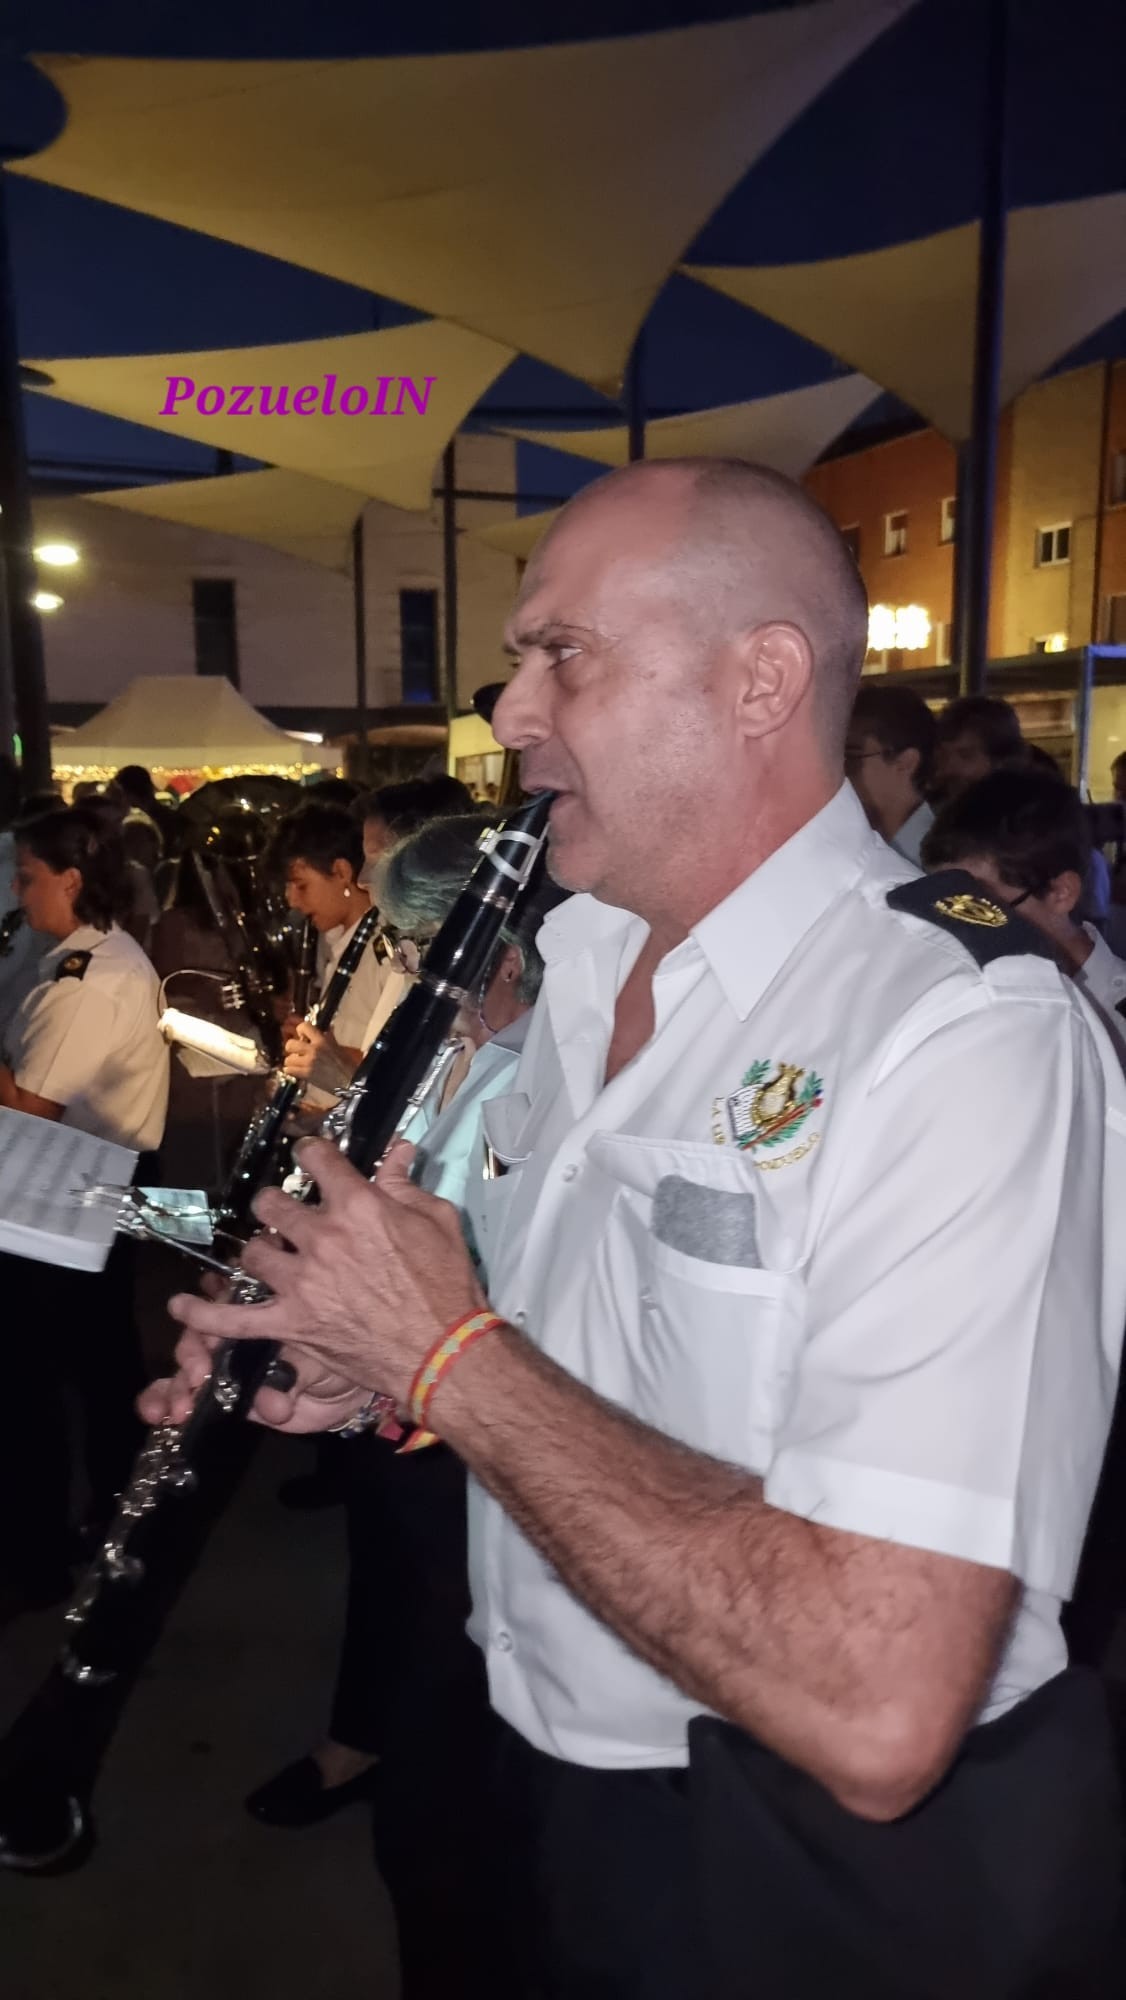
(298, 1796)
(308, 1491)
(44, 1831)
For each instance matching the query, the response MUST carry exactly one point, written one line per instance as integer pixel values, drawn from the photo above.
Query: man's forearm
(792, 1631)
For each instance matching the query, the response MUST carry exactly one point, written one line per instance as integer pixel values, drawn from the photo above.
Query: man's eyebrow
(524, 638)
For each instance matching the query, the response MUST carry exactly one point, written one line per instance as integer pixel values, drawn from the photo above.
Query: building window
(948, 519)
(851, 539)
(418, 644)
(943, 639)
(1053, 545)
(1114, 620)
(216, 626)
(1050, 642)
(1118, 479)
(895, 534)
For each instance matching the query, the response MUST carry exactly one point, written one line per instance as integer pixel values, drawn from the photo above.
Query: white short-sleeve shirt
(851, 1219)
(364, 987)
(86, 1037)
(1102, 980)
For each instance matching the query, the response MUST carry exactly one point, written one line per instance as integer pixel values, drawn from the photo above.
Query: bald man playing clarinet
(785, 1405)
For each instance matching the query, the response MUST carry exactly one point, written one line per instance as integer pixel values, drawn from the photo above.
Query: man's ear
(1063, 892)
(777, 663)
(908, 762)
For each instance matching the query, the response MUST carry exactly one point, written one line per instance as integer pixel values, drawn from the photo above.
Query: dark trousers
(411, 1689)
(741, 1879)
(405, 1653)
(72, 1370)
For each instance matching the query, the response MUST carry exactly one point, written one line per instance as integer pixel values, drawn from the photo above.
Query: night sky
(890, 150)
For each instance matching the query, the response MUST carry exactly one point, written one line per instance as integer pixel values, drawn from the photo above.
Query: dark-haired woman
(319, 852)
(83, 1049)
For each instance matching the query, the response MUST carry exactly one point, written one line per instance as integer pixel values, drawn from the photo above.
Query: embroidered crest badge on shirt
(767, 1110)
(972, 910)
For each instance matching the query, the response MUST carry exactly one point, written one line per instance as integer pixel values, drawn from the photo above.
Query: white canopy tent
(183, 726)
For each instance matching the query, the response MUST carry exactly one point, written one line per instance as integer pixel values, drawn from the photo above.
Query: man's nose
(520, 717)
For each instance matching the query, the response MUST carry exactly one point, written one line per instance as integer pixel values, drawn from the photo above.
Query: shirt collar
(749, 936)
(85, 938)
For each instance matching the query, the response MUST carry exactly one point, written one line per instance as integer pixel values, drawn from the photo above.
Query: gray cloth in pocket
(706, 1222)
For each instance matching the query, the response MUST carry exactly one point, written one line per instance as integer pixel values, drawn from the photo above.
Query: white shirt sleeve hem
(893, 1507)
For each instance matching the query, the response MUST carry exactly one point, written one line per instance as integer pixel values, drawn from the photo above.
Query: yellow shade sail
(786, 432)
(300, 517)
(517, 538)
(378, 454)
(540, 195)
(905, 315)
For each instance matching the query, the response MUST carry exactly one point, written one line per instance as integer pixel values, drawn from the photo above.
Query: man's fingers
(155, 1402)
(395, 1172)
(224, 1322)
(298, 1223)
(325, 1163)
(266, 1259)
(193, 1357)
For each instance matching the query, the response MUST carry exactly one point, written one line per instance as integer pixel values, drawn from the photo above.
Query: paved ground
(186, 1898)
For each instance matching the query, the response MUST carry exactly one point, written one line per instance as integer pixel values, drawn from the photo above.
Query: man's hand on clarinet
(375, 1275)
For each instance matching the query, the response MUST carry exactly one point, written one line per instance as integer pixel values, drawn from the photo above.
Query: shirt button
(569, 1173)
(520, 1318)
(503, 1642)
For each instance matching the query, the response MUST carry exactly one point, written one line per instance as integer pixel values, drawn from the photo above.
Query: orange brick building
(1059, 551)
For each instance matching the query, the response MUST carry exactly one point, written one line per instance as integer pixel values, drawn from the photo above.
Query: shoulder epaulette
(957, 903)
(73, 966)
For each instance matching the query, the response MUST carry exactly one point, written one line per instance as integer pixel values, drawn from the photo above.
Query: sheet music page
(43, 1168)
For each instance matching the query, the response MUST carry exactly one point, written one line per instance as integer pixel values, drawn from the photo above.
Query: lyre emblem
(966, 909)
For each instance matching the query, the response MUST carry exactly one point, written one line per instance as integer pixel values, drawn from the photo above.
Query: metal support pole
(634, 399)
(978, 481)
(361, 641)
(449, 572)
(21, 642)
(1101, 497)
(1083, 722)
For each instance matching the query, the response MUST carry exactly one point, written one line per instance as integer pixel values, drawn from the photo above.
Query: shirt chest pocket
(720, 1300)
(495, 1179)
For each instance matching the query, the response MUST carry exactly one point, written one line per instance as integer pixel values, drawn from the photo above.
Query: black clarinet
(50, 1758)
(305, 969)
(256, 1164)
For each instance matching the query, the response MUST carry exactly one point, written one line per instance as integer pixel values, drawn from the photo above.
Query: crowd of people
(777, 1331)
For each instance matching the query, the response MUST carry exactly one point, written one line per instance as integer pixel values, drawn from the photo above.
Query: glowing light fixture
(903, 628)
(1056, 642)
(46, 600)
(57, 555)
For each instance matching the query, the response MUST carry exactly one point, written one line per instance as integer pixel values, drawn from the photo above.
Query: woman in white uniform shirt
(83, 1046)
(83, 1049)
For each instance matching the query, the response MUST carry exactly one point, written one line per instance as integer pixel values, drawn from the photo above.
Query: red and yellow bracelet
(441, 1357)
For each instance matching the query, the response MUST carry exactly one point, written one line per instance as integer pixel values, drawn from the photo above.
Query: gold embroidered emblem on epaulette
(972, 910)
(767, 1110)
